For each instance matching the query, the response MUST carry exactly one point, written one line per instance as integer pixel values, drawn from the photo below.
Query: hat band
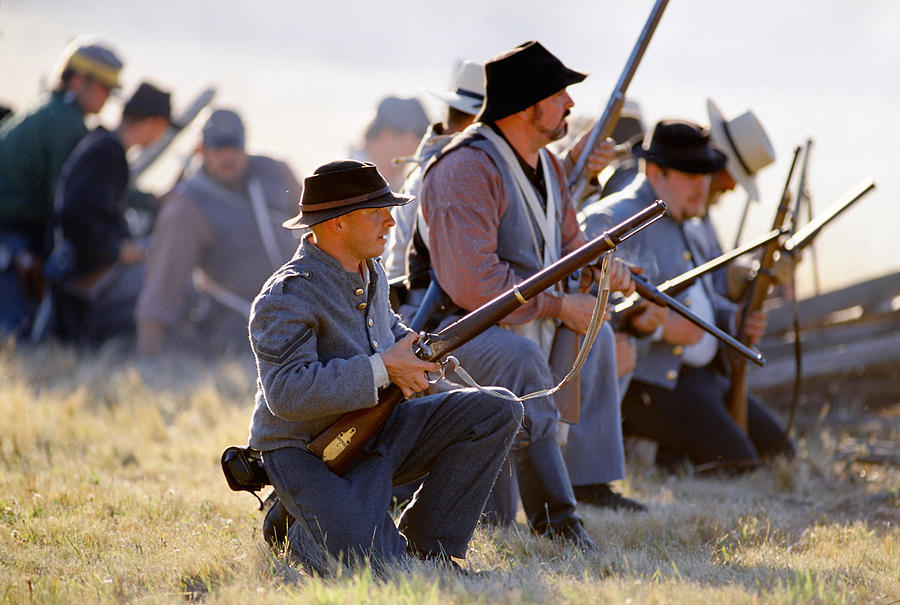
(468, 93)
(734, 148)
(106, 74)
(346, 201)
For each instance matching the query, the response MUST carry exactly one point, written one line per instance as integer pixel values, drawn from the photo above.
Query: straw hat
(469, 94)
(745, 143)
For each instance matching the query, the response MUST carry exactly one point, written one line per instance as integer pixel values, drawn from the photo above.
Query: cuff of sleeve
(553, 303)
(380, 372)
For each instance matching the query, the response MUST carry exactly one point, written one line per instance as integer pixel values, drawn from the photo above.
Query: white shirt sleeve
(381, 375)
(704, 350)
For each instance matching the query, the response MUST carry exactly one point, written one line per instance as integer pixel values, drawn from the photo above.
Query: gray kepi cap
(224, 128)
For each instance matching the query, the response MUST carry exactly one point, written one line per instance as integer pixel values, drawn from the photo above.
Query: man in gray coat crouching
(325, 341)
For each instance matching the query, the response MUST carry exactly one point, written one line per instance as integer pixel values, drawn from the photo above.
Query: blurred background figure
(394, 132)
(618, 173)
(34, 144)
(748, 149)
(220, 227)
(96, 268)
(463, 102)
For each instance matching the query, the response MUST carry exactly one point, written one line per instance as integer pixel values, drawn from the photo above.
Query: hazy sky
(306, 76)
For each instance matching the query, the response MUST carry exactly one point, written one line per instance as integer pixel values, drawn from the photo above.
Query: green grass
(111, 491)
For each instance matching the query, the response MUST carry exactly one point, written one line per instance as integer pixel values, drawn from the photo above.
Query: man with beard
(677, 394)
(498, 211)
(221, 226)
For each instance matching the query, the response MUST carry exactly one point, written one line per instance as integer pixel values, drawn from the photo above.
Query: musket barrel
(677, 284)
(648, 291)
(804, 236)
(490, 313)
(606, 123)
(339, 444)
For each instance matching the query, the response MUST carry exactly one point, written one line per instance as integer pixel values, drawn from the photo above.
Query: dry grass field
(110, 491)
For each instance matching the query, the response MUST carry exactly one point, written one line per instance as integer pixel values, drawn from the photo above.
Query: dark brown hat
(683, 146)
(521, 77)
(340, 187)
(148, 101)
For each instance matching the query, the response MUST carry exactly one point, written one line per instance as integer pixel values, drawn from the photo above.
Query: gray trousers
(501, 358)
(459, 439)
(595, 452)
(105, 311)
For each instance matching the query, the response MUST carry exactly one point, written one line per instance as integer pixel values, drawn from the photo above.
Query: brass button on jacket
(671, 374)
(371, 322)
(677, 350)
(361, 306)
(359, 291)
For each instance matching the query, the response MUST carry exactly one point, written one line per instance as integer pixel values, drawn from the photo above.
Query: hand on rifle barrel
(604, 152)
(577, 310)
(405, 369)
(648, 317)
(754, 325)
(626, 354)
(619, 276)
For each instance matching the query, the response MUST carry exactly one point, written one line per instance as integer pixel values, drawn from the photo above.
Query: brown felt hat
(521, 77)
(340, 187)
(681, 145)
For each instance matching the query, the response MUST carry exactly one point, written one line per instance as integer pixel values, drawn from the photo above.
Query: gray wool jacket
(313, 327)
(663, 251)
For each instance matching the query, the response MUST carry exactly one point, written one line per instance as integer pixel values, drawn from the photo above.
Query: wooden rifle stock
(736, 401)
(339, 444)
(578, 179)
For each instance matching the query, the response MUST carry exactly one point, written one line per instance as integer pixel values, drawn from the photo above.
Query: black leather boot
(277, 521)
(547, 495)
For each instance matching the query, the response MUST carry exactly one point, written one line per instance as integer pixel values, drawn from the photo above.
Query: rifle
(339, 444)
(149, 155)
(803, 196)
(680, 283)
(804, 236)
(651, 293)
(736, 401)
(578, 179)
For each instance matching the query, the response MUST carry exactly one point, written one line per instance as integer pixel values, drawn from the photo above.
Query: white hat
(469, 94)
(745, 142)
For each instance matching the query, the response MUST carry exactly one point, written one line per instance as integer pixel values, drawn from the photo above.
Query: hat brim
(491, 112)
(713, 161)
(305, 220)
(463, 103)
(737, 172)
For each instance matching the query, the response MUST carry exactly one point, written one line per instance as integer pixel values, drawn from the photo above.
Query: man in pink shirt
(498, 210)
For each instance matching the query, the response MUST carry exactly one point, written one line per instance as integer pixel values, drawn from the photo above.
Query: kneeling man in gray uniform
(325, 340)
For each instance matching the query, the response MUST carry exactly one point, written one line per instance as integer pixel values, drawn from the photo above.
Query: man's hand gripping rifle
(339, 445)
